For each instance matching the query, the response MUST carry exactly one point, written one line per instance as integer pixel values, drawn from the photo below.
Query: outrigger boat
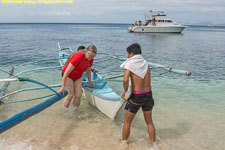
(102, 96)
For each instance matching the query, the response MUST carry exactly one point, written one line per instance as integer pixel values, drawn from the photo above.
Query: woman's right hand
(61, 90)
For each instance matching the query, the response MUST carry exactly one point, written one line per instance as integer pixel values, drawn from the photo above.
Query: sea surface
(189, 111)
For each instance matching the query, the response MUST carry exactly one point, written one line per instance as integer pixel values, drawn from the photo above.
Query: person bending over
(72, 73)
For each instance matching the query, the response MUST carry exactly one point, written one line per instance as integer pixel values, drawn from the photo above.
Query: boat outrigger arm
(164, 67)
(16, 119)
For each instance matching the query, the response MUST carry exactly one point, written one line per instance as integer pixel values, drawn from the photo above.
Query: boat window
(160, 20)
(168, 20)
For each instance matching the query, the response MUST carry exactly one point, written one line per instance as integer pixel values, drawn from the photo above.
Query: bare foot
(123, 145)
(154, 147)
(75, 108)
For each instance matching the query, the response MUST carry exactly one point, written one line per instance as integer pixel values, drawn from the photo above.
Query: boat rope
(7, 72)
(32, 62)
(37, 82)
(166, 72)
(29, 89)
(37, 69)
(105, 79)
(30, 80)
(4, 89)
(27, 100)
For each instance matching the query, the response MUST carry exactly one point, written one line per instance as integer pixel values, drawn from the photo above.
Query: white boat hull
(156, 29)
(109, 107)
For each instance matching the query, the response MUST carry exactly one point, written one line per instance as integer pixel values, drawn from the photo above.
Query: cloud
(123, 11)
(56, 14)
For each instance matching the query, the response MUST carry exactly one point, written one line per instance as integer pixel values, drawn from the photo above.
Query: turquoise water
(189, 112)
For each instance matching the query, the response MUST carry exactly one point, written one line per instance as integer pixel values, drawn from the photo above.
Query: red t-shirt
(80, 64)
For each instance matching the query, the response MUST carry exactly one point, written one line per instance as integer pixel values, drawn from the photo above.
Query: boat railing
(156, 11)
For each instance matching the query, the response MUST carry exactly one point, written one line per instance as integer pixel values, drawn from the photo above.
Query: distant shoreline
(60, 23)
(210, 26)
(188, 25)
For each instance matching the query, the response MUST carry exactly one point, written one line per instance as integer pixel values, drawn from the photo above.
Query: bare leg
(78, 92)
(67, 101)
(70, 88)
(150, 125)
(76, 102)
(126, 126)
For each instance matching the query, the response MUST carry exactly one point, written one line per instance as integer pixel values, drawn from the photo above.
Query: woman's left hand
(92, 84)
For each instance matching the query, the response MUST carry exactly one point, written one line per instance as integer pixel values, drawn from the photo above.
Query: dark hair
(81, 48)
(134, 48)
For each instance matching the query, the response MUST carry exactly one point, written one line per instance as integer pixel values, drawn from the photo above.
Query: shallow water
(189, 112)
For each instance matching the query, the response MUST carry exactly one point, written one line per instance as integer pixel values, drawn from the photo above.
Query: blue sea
(189, 111)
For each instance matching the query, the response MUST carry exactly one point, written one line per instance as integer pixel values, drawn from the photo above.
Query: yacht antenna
(145, 17)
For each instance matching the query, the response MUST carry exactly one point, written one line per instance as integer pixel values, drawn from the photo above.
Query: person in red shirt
(83, 50)
(72, 72)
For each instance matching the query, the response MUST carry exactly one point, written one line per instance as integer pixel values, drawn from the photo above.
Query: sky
(114, 11)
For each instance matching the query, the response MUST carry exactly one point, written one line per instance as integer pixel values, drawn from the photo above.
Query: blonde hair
(92, 48)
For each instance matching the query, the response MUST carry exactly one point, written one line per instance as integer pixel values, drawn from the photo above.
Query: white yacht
(158, 22)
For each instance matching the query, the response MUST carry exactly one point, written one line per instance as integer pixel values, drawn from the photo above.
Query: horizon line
(60, 23)
(213, 25)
